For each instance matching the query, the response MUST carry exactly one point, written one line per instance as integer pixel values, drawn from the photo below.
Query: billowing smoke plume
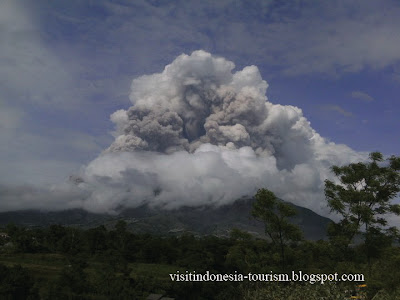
(199, 133)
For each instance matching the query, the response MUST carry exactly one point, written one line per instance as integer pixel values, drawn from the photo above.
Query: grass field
(46, 268)
(51, 264)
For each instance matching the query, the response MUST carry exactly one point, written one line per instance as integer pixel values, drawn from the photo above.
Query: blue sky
(65, 66)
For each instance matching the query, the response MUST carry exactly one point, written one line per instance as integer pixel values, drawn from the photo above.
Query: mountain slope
(200, 220)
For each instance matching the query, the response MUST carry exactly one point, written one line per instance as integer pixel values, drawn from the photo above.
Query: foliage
(294, 291)
(86, 270)
(16, 283)
(274, 214)
(362, 198)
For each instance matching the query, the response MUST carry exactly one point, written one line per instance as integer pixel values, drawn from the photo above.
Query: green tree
(120, 237)
(97, 239)
(16, 283)
(241, 256)
(73, 279)
(275, 213)
(54, 236)
(362, 198)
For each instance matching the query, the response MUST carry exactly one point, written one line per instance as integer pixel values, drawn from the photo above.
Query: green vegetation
(275, 214)
(58, 262)
(363, 198)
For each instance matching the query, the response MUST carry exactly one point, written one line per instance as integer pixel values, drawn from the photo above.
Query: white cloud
(303, 37)
(45, 158)
(170, 112)
(35, 83)
(10, 117)
(336, 36)
(338, 109)
(15, 197)
(199, 133)
(362, 96)
(29, 72)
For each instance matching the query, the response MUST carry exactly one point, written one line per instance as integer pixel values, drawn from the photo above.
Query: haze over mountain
(206, 220)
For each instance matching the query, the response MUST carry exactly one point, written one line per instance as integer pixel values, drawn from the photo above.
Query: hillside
(200, 221)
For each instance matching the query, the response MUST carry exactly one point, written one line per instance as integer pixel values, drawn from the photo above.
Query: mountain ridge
(202, 220)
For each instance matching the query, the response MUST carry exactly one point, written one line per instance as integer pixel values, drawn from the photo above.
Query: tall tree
(275, 213)
(363, 197)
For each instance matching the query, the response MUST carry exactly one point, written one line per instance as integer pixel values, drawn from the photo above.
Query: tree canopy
(275, 213)
(363, 196)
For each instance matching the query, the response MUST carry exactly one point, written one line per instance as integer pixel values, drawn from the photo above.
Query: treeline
(99, 263)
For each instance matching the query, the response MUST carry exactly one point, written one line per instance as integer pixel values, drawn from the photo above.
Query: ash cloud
(200, 133)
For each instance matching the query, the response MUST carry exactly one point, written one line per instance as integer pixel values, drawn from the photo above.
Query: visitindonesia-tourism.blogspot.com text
(294, 276)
